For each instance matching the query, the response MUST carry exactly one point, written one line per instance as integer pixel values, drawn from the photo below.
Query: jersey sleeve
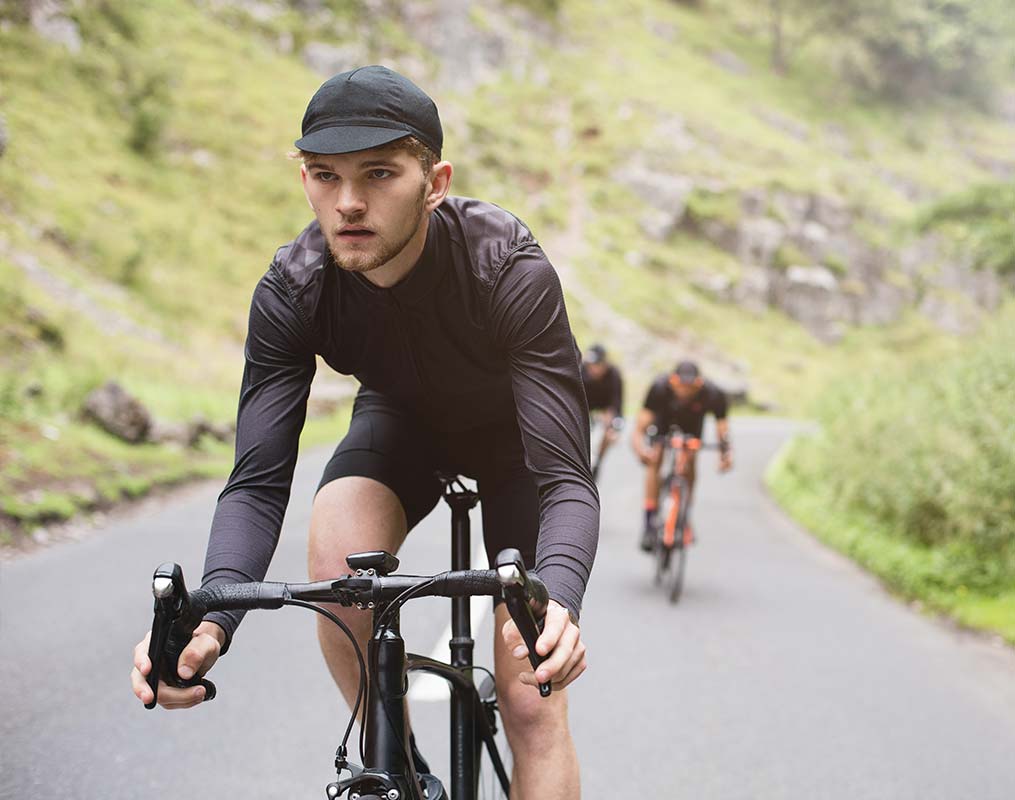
(279, 367)
(720, 404)
(656, 399)
(617, 392)
(530, 324)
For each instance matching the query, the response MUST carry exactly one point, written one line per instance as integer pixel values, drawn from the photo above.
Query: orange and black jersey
(476, 334)
(662, 401)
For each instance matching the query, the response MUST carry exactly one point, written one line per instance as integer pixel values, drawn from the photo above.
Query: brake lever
(514, 584)
(172, 629)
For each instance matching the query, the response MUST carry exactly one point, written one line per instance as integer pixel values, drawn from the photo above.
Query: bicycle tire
(680, 547)
(663, 554)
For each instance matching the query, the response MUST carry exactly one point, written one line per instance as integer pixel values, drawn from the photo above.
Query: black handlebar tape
(467, 583)
(236, 596)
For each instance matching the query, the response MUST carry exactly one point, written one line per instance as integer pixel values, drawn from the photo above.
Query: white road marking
(426, 688)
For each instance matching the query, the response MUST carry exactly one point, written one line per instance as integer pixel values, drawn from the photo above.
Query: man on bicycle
(682, 399)
(451, 317)
(604, 390)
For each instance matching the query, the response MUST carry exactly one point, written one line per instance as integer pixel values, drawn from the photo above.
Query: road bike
(392, 767)
(598, 432)
(673, 535)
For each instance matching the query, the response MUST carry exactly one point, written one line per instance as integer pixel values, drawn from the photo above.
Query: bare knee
(352, 515)
(528, 718)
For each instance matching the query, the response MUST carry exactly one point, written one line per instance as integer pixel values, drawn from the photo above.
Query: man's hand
(561, 639)
(196, 659)
(650, 456)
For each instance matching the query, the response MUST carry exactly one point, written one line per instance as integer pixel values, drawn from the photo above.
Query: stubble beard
(387, 250)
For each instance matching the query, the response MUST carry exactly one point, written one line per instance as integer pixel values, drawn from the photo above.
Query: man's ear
(440, 184)
(304, 177)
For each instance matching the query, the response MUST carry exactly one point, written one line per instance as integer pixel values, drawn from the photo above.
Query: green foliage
(982, 221)
(789, 255)
(926, 455)
(150, 105)
(900, 50)
(703, 205)
(914, 49)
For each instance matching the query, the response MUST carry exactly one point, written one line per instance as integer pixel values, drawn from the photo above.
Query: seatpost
(463, 712)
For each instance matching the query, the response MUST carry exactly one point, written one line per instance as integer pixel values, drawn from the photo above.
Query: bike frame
(684, 448)
(471, 727)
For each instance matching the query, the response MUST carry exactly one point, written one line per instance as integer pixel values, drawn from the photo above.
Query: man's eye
(326, 177)
(380, 173)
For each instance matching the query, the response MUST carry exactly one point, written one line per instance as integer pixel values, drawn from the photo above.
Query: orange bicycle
(673, 531)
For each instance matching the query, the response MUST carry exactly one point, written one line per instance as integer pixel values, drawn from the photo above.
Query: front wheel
(680, 549)
(663, 552)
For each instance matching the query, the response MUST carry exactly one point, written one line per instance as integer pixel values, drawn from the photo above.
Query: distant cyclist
(682, 399)
(604, 389)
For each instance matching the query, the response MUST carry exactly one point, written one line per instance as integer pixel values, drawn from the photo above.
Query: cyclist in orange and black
(604, 390)
(682, 399)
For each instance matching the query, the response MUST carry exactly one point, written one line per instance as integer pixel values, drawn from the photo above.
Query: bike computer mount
(380, 561)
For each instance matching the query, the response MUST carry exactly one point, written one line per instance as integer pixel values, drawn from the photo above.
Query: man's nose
(350, 201)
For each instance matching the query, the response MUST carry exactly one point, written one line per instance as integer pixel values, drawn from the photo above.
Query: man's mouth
(354, 233)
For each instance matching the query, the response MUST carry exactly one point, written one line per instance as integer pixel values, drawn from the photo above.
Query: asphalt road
(784, 672)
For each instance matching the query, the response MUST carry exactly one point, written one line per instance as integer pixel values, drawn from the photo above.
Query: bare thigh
(350, 515)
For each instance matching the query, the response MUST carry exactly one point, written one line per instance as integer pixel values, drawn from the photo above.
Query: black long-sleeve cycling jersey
(607, 393)
(476, 333)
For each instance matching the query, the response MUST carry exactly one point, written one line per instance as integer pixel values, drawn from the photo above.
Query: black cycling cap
(687, 371)
(365, 108)
(595, 354)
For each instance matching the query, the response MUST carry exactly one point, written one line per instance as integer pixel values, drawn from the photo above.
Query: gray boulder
(118, 413)
(665, 195)
(811, 296)
(48, 19)
(716, 285)
(730, 62)
(784, 123)
(752, 292)
(950, 312)
(758, 239)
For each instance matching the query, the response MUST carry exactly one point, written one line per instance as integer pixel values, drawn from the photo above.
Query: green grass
(912, 474)
(912, 571)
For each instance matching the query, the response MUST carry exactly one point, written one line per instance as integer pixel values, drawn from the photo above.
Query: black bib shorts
(390, 444)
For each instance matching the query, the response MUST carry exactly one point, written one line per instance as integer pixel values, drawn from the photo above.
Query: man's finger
(141, 660)
(202, 648)
(572, 675)
(553, 627)
(142, 690)
(172, 698)
(553, 667)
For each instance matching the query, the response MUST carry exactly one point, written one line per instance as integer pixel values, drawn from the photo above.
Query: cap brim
(348, 139)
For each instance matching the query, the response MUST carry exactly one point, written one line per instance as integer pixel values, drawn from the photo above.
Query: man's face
(369, 204)
(684, 391)
(596, 371)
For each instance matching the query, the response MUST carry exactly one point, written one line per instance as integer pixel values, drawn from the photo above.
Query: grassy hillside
(145, 186)
(913, 475)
